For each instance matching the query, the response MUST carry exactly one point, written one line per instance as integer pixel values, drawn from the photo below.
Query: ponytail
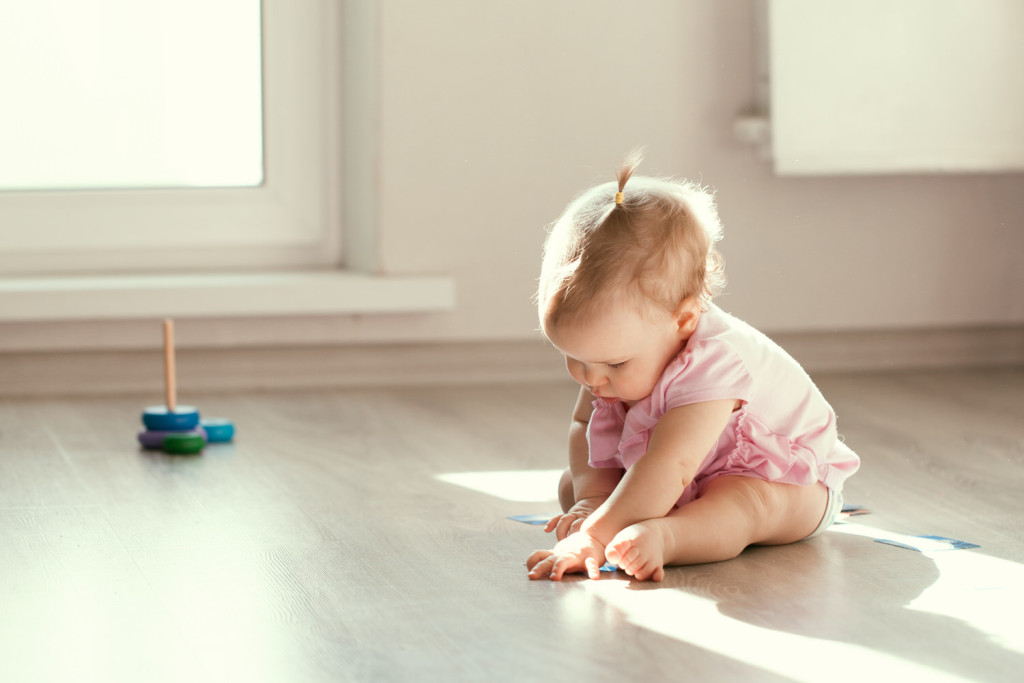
(629, 165)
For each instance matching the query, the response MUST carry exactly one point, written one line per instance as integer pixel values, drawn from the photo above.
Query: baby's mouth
(597, 395)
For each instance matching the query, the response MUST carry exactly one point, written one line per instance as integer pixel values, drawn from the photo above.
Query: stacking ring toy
(218, 430)
(178, 429)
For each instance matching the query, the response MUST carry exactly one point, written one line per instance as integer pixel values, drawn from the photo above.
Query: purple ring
(155, 438)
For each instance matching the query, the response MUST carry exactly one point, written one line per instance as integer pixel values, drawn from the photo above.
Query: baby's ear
(687, 315)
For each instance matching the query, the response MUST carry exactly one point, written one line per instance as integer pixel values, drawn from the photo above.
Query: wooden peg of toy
(170, 385)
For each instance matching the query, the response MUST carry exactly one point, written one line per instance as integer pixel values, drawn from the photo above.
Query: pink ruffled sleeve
(707, 371)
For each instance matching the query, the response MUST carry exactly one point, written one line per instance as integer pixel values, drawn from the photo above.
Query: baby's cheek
(633, 390)
(643, 387)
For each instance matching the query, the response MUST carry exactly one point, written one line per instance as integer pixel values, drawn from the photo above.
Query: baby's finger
(593, 569)
(557, 569)
(537, 556)
(565, 525)
(542, 569)
(564, 563)
(552, 523)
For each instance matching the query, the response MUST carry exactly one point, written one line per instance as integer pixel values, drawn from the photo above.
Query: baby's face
(618, 354)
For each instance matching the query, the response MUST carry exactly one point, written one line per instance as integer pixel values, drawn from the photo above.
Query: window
(170, 135)
(156, 243)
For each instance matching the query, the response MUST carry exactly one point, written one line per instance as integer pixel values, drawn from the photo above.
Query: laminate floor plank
(362, 535)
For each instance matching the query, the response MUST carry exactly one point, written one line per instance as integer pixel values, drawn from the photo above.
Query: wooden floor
(362, 535)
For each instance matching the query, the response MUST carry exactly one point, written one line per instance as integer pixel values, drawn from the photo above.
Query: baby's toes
(627, 558)
(648, 570)
(615, 552)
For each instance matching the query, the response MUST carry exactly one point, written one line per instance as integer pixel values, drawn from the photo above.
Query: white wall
(493, 114)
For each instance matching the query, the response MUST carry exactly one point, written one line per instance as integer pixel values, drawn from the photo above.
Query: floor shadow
(851, 590)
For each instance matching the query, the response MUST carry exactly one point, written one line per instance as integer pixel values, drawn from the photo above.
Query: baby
(694, 435)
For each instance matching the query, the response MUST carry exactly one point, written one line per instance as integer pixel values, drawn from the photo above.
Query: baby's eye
(616, 366)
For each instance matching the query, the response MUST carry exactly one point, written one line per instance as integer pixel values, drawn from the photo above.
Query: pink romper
(785, 431)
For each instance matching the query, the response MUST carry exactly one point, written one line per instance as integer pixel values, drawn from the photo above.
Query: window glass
(104, 94)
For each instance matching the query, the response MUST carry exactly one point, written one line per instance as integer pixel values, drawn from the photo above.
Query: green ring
(183, 444)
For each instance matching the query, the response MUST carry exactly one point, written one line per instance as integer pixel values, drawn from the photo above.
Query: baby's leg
(566, 495)
(733, 513)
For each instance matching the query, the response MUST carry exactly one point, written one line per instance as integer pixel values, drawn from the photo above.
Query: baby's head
(644, 243)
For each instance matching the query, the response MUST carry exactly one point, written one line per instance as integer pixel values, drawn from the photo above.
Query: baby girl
(694, 435)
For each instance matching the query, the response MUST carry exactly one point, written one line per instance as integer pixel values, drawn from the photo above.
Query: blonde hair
(653, 242)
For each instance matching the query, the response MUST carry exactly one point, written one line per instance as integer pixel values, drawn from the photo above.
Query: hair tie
(618, 197)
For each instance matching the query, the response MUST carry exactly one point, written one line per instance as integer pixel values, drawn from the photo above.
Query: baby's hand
(569, 523)
(579, 552)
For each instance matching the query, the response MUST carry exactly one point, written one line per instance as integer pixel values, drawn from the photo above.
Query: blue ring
(159, 419)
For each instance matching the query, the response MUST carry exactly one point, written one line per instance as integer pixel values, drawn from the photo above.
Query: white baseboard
(251, 369)
(255, 369)
(872, 350)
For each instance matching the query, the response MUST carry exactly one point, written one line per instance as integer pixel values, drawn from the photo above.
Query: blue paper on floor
(536, 520)
(924, 544)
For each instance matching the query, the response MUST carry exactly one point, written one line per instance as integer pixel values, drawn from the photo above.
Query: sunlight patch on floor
(523, 486)
(972, 587)
(981, 590)
(697, 621)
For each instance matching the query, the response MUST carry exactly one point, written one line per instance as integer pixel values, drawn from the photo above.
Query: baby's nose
(593, 377)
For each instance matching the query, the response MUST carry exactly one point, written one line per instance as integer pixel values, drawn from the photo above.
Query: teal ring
(218, 430)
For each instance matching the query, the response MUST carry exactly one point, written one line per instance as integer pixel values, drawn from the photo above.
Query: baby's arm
(650, 488)
(591, 486)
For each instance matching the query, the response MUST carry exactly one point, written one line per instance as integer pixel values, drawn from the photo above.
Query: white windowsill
(220, 295)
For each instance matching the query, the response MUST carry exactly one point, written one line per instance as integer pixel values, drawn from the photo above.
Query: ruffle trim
(768, 455)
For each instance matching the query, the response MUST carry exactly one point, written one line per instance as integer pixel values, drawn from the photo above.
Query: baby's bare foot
(639, 550)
